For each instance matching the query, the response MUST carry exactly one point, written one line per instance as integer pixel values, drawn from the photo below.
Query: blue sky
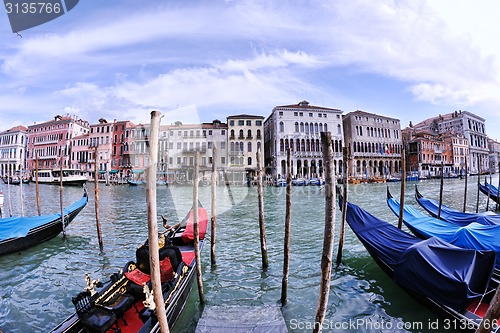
(121, 59)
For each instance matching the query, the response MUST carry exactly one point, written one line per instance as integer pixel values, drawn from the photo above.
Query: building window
(249, 147)
(249, 123)
(280, 113)
(258, 123)
(223, 160)
(231, 123)
(310, 114)
(296, 126)
(241, 122)
(295, 114)
(223, 145)
(282, 126)
(249, 161)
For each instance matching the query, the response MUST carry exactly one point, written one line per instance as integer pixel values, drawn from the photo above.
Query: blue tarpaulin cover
(454, 216)
(489, 190)
(14, 227)
(445, 273)
(472, 236)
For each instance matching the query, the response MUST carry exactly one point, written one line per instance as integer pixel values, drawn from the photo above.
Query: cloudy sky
(123, 58)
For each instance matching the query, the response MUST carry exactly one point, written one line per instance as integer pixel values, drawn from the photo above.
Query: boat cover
(490, 190)
(472, 236)
(447, 274)
(15, 227)
(455, 216)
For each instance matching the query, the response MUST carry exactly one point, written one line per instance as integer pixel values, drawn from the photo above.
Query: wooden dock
(240, 319)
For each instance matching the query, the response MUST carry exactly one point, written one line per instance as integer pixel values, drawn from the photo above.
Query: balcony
(236, 153)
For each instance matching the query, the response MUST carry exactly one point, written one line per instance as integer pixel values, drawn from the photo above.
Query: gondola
(135, 182)
(455, 216)
(123, 301)
(472, 236)
(451, 281)
(19, 233)
(490, 190)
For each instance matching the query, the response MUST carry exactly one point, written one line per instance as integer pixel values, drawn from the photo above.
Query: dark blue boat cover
(457, 217)
(15, 227)
(472, 236)
(447, 274)
(490, 190)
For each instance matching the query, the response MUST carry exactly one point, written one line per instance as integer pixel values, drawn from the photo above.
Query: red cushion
(166, 270)
(138, 277)
(188, 234)
(188, 257)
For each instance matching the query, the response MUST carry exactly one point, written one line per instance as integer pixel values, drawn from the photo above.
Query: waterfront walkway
(239, 319)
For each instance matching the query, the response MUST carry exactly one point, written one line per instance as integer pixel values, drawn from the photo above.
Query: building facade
(13, 150)
(297, 127)
(375, 144)
(472, 127)
(494, 159)
(428, 152)
(245, 138)
(51, 141)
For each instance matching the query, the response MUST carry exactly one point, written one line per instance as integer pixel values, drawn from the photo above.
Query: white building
(472, 127)
(245, 138)
(13, 150)
(375, 144)
(298, 127)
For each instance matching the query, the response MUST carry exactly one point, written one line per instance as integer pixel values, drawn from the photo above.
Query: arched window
(241, 146)
(339, 129)
(316, 128)
(302, 127)
(311, 127)
(258, 146)
(326, 128)
(232, 146)
(296, 126)
(249, 134)
(249, 161)
(297, 144)
(258, 134)
(241, 134)
(282, 127)
(249, 146)
(321, 127)
(232, 134)
(307, 127)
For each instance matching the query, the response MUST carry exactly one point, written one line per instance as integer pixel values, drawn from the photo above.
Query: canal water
(36, 285)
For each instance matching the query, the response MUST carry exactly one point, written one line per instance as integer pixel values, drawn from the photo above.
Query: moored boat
(19, 233)
(490, 190)
(135, 182)
(453, 215)
(471, 236)
(126, 299)
(70, 177)
(454, 282)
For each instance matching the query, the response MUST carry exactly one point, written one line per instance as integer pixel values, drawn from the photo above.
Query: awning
(137, 171)
(102, 171)
(113, 171)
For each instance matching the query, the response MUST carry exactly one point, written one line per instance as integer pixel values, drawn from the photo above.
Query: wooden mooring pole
(478, 182)
(37, 192)
(61, 195)
(288, 218)
(96, 201)
(262, 227)
(345, 167)
(196, 181)
(213, 222)
(326, 257)
(154, 256)
(441, 185)
(466, 181)
(489, 191)
(496, 208)
(21, 192)
(403, 186)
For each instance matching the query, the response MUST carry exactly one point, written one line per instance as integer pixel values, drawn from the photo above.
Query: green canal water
(36, 285)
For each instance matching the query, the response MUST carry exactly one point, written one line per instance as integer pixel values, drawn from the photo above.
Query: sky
(121, 59)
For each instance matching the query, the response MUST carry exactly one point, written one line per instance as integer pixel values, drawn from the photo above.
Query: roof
(364, 113)
(305, 105)
(245, 116)
(18, 128)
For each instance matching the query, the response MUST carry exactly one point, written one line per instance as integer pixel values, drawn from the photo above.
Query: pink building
(51, 141)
